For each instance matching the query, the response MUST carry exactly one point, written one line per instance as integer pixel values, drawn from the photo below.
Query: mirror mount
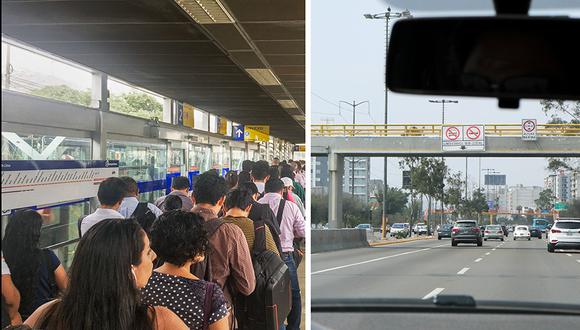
(508, 103)
(512, 7)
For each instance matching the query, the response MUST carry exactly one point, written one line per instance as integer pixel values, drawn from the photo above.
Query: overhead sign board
(463, 138)
(238, 132)
(529, 129)
(222, 126)
(406, 179)
(495, 179)
(560, 206)
(179, 113)
(257, 133)
(33, 183)
(188, 117)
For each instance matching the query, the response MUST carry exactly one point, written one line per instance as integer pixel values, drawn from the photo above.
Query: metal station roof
(244, 60)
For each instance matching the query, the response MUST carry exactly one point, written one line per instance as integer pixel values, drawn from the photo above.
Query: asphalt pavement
(509, 270)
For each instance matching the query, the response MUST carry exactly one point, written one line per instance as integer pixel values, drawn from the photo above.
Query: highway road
(509, 270)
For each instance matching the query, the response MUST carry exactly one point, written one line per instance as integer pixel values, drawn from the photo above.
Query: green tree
(319, 208)
(64, 93)
(396, 200)
(354, 211)
(136, 104)
(471, 208)
(545, 200)
(556, 109)
(573, 210)
(454, 192)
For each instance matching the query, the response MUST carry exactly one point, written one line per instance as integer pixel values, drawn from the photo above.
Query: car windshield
(439, 160)
(567, 225)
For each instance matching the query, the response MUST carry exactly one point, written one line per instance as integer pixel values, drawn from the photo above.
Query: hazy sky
(347, 63)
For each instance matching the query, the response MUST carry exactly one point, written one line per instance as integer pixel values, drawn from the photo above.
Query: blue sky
(347, 63)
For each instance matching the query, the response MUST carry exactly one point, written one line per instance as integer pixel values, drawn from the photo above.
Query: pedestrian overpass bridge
(403, 140)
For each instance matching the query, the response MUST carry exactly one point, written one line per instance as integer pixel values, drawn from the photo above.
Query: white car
(522, 232)
(564, 234)
(421, 229)
(401, 227)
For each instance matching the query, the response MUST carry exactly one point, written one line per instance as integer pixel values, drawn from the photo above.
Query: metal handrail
(435, 130)
(61, 244)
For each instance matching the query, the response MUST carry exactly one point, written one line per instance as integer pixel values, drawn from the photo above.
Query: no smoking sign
(529, 130)
(463, 138)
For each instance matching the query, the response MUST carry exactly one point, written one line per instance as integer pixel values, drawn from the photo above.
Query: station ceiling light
(264, 77)
(299, 117)
(288, 104)
(206, 11)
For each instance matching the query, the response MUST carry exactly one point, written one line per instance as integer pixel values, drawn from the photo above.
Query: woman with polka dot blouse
(179, 240)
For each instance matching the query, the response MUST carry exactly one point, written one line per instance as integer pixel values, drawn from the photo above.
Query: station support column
(99, 100)
(336, 172)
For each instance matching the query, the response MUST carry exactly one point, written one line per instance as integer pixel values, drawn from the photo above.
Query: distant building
(575, 185)
(362, 189)
(524, 196)
(560, 183)
(362, 177)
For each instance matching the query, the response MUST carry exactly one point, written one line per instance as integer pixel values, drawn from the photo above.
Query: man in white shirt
(130, 201)
(260, 175)
(292, 226)
(110, 195)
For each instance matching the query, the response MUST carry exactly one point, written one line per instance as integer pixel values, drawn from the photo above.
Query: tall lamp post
(353, 105)
(442, 102)
(387, 16)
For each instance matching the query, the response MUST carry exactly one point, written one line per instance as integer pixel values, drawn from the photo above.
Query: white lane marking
(463, 271)
(578, 260)
(568, 254)
(433, 293)
(478, 259)
(367, 261)
(488, 253)
(493, 249)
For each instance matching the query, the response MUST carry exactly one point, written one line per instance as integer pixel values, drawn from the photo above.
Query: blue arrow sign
(238, 133)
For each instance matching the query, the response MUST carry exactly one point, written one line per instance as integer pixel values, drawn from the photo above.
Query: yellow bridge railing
(435, 130)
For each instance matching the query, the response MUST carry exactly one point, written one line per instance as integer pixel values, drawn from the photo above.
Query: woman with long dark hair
(112, 262)
(36, 273)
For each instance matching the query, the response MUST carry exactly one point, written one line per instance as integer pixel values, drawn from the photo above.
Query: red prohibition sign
(529, 126)
(473, 133)
(452, 133)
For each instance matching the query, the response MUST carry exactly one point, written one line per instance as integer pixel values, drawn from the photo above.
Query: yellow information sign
(188, 115)
(222, 126)
(257, 133)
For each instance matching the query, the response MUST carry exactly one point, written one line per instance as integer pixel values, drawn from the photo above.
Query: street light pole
(387, 16)
(354, 105)
(442, 101)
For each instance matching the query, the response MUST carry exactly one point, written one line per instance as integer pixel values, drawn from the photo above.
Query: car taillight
(487, 231)
(556, 231)
(455, 229)
(475, 229)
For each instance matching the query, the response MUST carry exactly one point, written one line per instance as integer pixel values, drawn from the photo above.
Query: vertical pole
(385, 174)
(352, 160)
(8, 68)
(336, 170)
(442, 159)
(466, 195)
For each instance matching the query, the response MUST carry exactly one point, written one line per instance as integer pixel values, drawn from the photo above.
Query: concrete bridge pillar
(336, 172)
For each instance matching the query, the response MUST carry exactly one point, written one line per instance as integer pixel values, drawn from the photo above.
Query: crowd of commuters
(182, 262)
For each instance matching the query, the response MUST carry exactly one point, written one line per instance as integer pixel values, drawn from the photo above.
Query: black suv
(466, 231)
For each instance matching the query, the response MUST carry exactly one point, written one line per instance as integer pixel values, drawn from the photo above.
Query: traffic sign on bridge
(529, 130)
(463, 138)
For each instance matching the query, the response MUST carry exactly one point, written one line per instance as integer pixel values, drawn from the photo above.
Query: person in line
(238, 205)
(230, 259)
(179, 187)
(262, 212)
(37, 273)
(112, 262)
(232, 179)
(172, 202)
(244, 177)
(179, 239)
(247, 165)
(131, 201)
(289, 194)
(274, 172)
(111, 194)
(10, 298)
(260, 174)
(287, 172)
(291, 226)
(275, 161)
(298, 173)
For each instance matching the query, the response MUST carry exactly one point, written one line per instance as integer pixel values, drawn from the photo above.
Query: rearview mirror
(508, 58)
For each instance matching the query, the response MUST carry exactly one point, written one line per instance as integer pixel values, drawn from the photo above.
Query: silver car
(493, 232)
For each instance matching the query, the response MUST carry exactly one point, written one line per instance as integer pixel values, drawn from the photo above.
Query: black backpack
(144, 216)
(270, 303)
(202, 270)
